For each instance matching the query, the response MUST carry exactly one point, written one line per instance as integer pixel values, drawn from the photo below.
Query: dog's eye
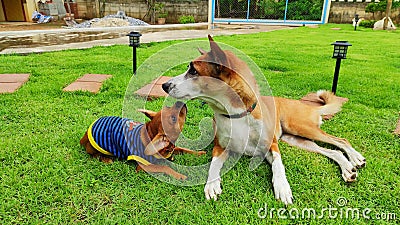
(173, 118)
(192, 71)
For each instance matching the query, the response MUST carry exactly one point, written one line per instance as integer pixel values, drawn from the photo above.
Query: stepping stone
(154, 89)
(314, 100)
(88, 82)
(397, 130)
(9, 83)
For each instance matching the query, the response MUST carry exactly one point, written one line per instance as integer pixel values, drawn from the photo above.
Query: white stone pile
(117, 20)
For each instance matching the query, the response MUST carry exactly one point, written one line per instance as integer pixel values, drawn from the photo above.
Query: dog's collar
(243, 114)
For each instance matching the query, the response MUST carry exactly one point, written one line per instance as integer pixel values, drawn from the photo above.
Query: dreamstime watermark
(339, 211)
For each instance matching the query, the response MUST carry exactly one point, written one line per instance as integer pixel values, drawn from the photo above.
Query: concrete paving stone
(88, 82)
(93, 87)
(160, 80)
(10, 83)
(9, 87)
(14, 78)
(397, 130)
(151, 91)
(154, 89)
(94, 77)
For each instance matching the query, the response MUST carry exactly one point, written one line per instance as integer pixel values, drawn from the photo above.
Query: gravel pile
(117, 20)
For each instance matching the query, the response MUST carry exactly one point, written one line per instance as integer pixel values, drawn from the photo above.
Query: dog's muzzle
(167, 86)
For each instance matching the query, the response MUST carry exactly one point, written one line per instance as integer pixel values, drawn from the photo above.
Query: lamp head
(340, 49)
(134, 39)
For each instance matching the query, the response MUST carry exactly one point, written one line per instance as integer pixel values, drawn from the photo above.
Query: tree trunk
(388, 8)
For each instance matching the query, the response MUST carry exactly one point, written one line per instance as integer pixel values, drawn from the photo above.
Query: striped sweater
(120, 137)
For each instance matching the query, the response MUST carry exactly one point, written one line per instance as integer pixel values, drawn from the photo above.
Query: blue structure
(245, 17)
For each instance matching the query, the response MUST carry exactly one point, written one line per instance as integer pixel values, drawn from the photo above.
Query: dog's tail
(332, 103)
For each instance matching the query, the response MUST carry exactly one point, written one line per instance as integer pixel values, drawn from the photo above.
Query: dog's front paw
(213, 189)
(282, 190)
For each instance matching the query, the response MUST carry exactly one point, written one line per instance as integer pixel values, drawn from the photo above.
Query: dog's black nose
(166, 86)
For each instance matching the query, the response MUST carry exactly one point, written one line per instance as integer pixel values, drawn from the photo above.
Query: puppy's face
(164, 127)
(172, 120)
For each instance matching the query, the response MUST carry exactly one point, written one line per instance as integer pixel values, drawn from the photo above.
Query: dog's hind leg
(84, 139)
(92, 151)
(349, 172)
(355, 157)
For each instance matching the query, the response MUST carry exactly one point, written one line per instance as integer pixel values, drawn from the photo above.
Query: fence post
(325, 11)
(211, 13)
(248, 9)
(286, 7)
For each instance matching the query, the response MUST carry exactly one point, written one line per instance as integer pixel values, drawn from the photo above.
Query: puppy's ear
(158, 143)
(202, 51)
(217, 54)
(150, 114)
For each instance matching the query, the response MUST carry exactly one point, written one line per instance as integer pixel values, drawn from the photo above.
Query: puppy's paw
(179, 176)
(105, 159)
(213, 189)
(282, 190)
(199, 153)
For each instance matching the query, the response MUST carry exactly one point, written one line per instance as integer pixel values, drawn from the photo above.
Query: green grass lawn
(46, 176)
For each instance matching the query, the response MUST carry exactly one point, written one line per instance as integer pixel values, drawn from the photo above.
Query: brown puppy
(148, 143)
(251, 124)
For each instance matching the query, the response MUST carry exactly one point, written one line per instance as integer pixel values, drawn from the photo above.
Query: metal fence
(270, 11)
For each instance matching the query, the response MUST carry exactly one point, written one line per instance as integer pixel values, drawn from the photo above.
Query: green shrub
(380, 6)
(186, 19)
(367, 23)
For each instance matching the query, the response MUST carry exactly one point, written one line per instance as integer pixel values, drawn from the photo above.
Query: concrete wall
(138, 9)
(343, 12)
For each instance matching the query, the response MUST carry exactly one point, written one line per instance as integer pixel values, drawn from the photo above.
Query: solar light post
(134, 42)
(339, 53)
(356, 19)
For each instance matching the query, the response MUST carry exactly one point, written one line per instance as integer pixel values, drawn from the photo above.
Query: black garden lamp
(339, 53)
(356, 19)
(134, 42)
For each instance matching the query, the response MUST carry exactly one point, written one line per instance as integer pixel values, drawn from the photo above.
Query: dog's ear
(217, 54)
(202, 51)
(150, 114)
(158, 143)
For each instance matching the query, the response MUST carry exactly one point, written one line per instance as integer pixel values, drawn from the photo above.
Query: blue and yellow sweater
(120, 137)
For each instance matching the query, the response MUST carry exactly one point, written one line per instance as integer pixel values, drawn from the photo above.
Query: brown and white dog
(252, 124)
(147, 143)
